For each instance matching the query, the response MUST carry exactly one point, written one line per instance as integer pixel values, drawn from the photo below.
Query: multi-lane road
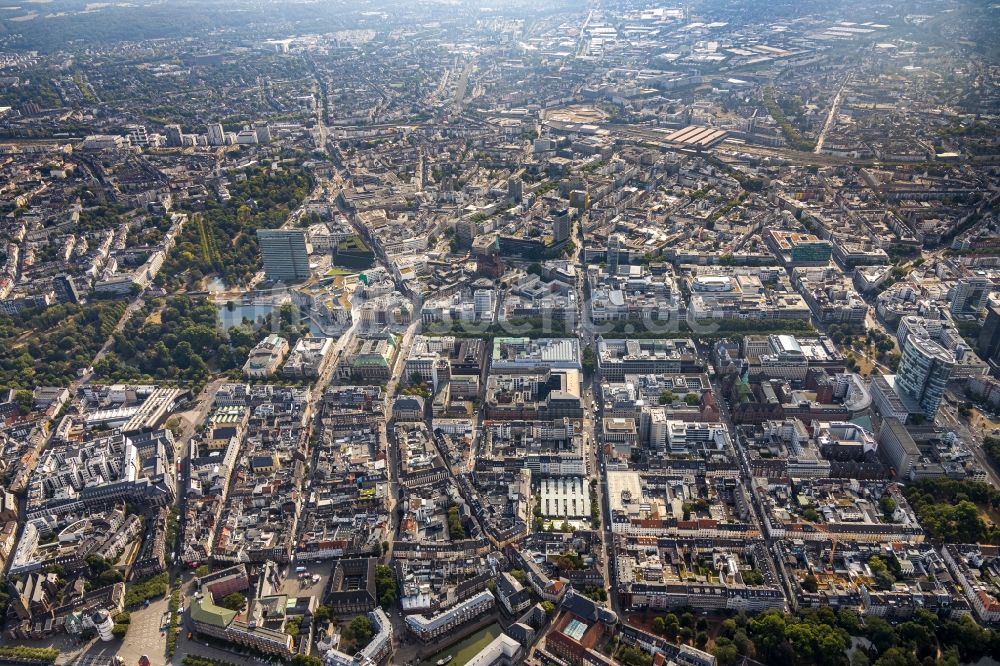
(831, 118)
(948, 417)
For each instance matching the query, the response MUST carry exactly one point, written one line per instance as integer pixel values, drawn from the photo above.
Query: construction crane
(823, 530)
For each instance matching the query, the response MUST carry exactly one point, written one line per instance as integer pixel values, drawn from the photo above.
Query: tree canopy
(234, 601)
(180, 341)
(47, 347)
(948, 510)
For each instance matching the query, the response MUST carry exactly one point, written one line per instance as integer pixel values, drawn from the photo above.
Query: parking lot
(295, 587)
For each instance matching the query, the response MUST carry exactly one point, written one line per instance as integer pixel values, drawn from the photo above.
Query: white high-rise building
(216, 135)
(263, 131)
(285, 253)
(924, 371)
(971, 294)
(483, 303)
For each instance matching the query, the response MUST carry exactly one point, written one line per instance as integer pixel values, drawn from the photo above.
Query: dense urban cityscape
(493, 333)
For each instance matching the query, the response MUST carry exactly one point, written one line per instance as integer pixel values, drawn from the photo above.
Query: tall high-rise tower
(970, 294)
(924, 371)
(285, 253)
(174, 136)
(614, 253)
(216, 135)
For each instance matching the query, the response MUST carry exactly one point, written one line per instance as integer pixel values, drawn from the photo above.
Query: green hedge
(24, 652)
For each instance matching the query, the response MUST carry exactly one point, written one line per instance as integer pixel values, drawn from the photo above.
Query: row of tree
(792, 135)
(28, 654)
(991, 445)
(822, 637)
(385, 586)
